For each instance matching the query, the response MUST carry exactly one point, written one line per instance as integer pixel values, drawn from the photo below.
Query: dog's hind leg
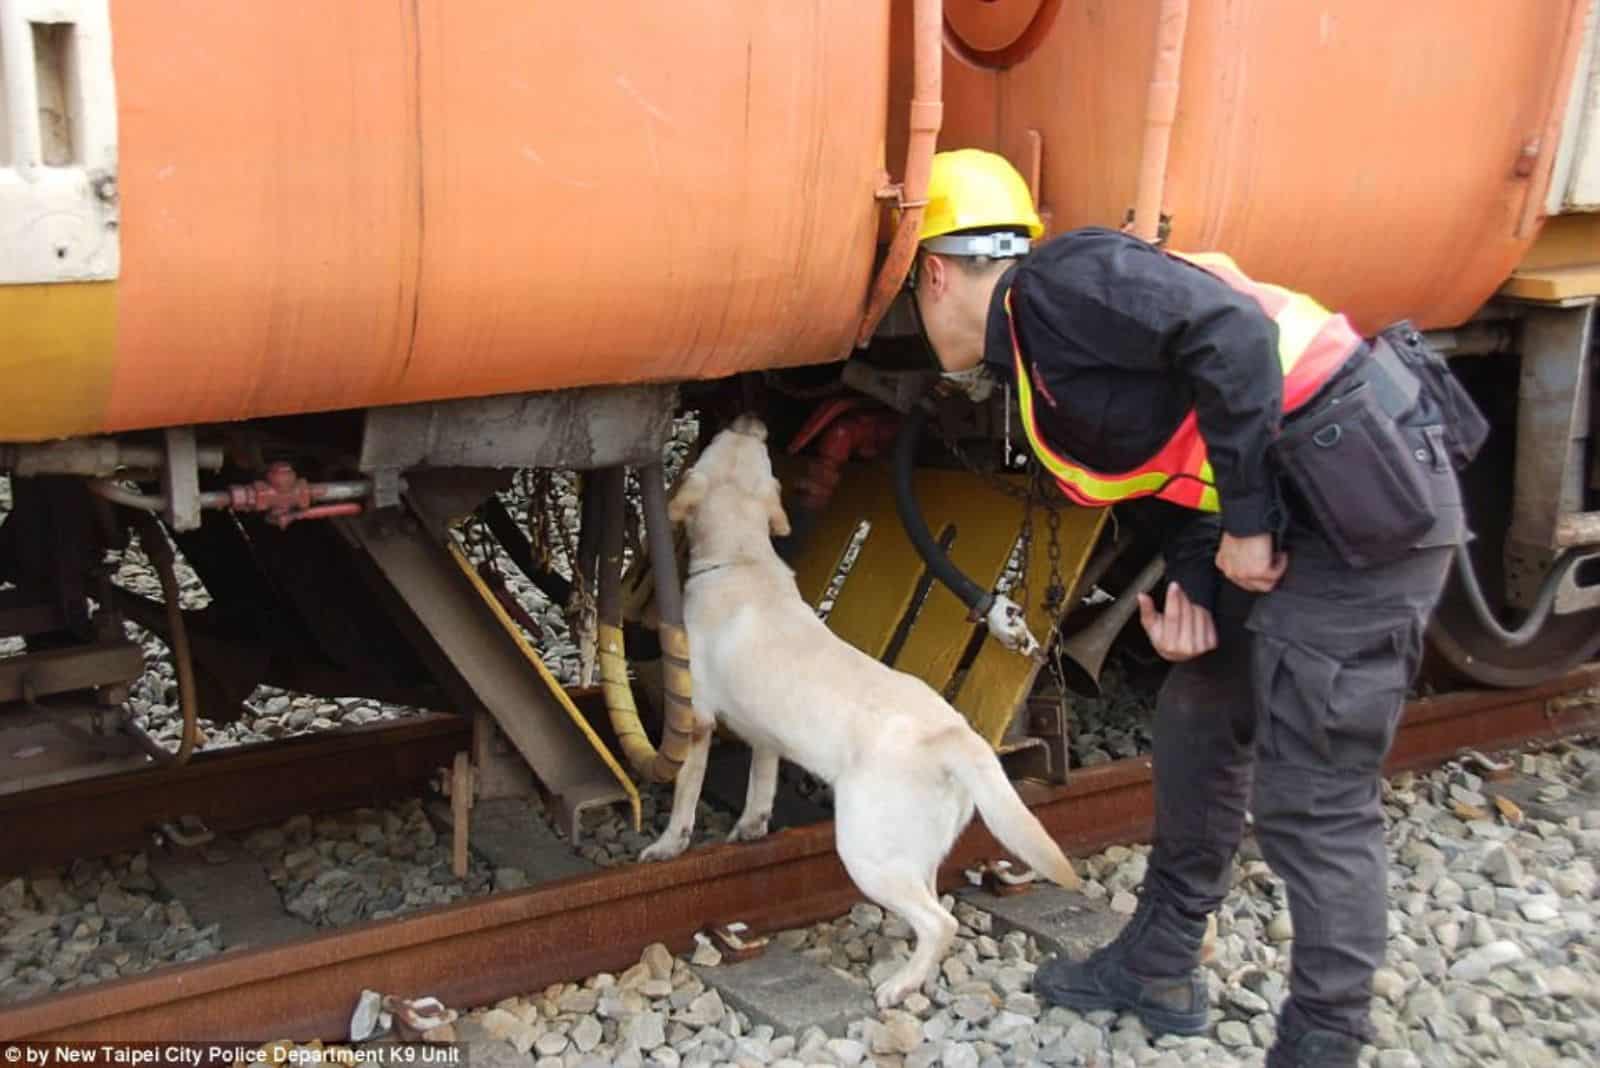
(906, 893)
(685, 796)
(758, 797)
(891, 841)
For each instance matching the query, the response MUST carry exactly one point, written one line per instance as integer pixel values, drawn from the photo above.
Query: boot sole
(1156, 1021)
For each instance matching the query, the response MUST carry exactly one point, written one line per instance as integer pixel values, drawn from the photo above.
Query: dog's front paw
(667, 846)
(748, 830)
(895, 989)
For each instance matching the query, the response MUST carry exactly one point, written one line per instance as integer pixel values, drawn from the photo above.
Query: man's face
(952, 308)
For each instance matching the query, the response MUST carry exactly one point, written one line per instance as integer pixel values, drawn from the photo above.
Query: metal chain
(1038, 490)
(1056, 592)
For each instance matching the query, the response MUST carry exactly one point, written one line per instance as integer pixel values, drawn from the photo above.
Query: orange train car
(302, 283)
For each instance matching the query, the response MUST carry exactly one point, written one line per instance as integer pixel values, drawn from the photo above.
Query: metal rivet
(1421, 454)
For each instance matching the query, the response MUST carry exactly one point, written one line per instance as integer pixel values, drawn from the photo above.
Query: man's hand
(1250, 563)
(1183, 631)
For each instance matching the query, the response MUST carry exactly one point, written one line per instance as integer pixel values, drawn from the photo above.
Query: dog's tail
(972, 763)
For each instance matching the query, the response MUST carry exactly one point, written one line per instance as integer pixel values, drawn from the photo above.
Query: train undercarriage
(392, 554)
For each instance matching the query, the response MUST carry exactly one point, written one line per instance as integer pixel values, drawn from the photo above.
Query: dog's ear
(690, 492)
(777, 518)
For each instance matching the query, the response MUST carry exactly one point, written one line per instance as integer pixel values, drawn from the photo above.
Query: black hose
(975, 597)
(1543, 603)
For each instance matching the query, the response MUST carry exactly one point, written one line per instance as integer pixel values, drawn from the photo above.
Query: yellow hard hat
(970, 189)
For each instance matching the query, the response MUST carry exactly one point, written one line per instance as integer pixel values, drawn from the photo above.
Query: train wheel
(1456, 635)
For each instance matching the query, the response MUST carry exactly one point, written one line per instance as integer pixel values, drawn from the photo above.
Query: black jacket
(1127, 340)
(1124, 341)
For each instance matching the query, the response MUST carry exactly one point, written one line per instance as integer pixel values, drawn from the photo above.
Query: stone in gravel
(1085, 1038)
(847, 1051)
(1565, 982)
(587, 1034)
(523, 1038)
(955, 972)
(14, 895)
(579, 1002)
(550, 1044)
(1280, 928)
(364, 1020)
(1448, 893)
(706, 955)
(1482, 961)
(1124, 903)
(1013, 980)
(443, 1033)
(1502, 866)
(957, 1056)
(1022, 1004)
(1397, 1058)
(1246, 1001)
(705, 1010)
(510, 879)
(1576, 880)
(501, 1024)
(899, 1032)
(1539, 910)
(1233, 1033)
(658, 958)
(647, 1030)
(1389, 985)
(974, 1008)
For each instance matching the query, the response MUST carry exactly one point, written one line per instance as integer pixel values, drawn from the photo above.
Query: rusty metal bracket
(735, 941)
(459, 784)
(186, 832)
(1001, 877)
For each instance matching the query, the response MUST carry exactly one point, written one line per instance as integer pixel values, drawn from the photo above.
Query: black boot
(1315, 1048)
(1150, 969)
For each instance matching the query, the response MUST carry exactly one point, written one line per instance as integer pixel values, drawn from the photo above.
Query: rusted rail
(481, 951)
(230, 789)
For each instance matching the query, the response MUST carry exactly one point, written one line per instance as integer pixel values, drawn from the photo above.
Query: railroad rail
(480, 951)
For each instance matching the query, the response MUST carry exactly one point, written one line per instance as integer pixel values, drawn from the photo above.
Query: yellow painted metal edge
(1554, 283)
(58, 347)
(533, 657)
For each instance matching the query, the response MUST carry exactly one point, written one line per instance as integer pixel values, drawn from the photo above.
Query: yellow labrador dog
(905, 767)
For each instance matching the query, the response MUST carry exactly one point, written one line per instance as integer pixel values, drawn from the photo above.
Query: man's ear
(690, 493)
(937, 271)
(777, 518)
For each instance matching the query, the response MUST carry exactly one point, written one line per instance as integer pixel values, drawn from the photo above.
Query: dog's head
(733, 477)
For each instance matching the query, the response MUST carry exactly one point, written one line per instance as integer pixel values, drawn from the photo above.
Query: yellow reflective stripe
(1106, 490)
(1301, 320)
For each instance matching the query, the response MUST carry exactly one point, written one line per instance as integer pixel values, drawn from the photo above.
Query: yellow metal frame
(883, 581)
(555, 687)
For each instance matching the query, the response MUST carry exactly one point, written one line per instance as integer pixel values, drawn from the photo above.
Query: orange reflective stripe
(1313, 343)
(1163, 476)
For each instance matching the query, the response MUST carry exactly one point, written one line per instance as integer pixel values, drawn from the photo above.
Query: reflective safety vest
(1313, 343)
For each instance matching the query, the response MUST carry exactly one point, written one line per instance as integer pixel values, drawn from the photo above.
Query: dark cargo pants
(1293, 715)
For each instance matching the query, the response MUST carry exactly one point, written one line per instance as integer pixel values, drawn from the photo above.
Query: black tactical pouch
(1465, 428)
(1351, 469)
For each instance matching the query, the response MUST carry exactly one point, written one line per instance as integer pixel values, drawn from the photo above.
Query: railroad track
(481, 951)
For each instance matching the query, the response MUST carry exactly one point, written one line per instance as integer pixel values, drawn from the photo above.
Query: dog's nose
(751, 425)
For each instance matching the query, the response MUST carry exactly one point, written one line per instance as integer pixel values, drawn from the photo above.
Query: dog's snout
(750, 425)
